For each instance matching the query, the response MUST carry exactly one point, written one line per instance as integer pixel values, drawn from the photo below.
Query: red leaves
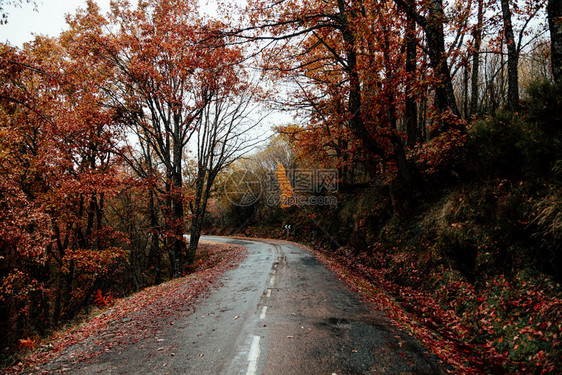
(56, 171)
(27, 343)
(442, 152)
(500, 327)
(102, 301)
(139, 316)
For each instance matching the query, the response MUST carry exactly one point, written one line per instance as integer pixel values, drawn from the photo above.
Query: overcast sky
(48, 18)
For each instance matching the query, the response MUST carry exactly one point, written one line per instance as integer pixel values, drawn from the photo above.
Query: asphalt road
(280, 312)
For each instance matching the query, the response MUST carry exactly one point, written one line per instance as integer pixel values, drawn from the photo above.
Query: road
(279, 312)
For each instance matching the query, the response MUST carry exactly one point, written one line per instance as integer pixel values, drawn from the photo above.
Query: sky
(46, 19)
(49, 18)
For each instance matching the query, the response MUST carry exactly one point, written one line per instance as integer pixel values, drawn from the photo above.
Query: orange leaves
(17, 216)
(442, 152)
(28, 343)
(284, 185)
(102, 301)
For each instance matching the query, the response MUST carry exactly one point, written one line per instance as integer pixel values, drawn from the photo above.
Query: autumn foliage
(113, 134)
(94, 129)
(449, 201)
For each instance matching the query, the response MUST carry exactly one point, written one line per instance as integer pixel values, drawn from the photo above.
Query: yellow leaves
(284, 185)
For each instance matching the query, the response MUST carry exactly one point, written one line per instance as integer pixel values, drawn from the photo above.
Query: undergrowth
(475, 269)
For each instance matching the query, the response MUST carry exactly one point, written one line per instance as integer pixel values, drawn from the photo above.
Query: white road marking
(263, 311)
(272, 282)
(253, 356)
(274, 272)
(268, 293)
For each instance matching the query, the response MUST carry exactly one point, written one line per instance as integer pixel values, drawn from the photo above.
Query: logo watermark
(243, 188)
(285, 188)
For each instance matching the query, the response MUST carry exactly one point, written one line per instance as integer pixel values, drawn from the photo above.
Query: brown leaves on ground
(137, 317)
(449, 335)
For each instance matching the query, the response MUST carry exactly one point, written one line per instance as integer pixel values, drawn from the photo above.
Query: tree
(57, 149)
(411, 111)
(316, 22)
(433, 26)
(555, 25)
(161, 63)
(336, 62)
(477, 37)
(520, 15)
(247, 189)
(173, 79)
(224, 133)
(512, 57)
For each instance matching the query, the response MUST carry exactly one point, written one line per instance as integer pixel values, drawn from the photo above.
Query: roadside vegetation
(474, 269)
(141, 315)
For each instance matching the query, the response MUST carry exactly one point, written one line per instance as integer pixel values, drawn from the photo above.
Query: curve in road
(279, 312)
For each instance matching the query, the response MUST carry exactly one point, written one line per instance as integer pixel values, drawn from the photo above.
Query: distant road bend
(279, 312)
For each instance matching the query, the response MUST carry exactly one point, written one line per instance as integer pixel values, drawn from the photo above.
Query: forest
(424, 138)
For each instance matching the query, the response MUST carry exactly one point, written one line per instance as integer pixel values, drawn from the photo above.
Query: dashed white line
(272, 282)
(263, 311)
(253, 356)
(268, 294)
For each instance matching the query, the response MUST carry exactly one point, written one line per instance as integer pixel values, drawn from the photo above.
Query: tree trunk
(169, 226)
(203, 192)
(357, 124)
(197, 212)
(67, 310)
(155, 256)
(465, 80)
(444, 93)
(512, 58)
(476, 60)
(555, 25)
(433, 26)
(177, 211)
(411, 107)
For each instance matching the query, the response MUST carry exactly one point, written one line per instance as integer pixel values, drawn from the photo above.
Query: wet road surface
(279, 312)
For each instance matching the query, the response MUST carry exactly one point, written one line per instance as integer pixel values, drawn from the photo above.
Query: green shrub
(509, 144)
(495, 144)
(541, 144)
(544, 107)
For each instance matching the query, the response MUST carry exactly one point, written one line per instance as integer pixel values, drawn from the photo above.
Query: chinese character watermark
(293, 187)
